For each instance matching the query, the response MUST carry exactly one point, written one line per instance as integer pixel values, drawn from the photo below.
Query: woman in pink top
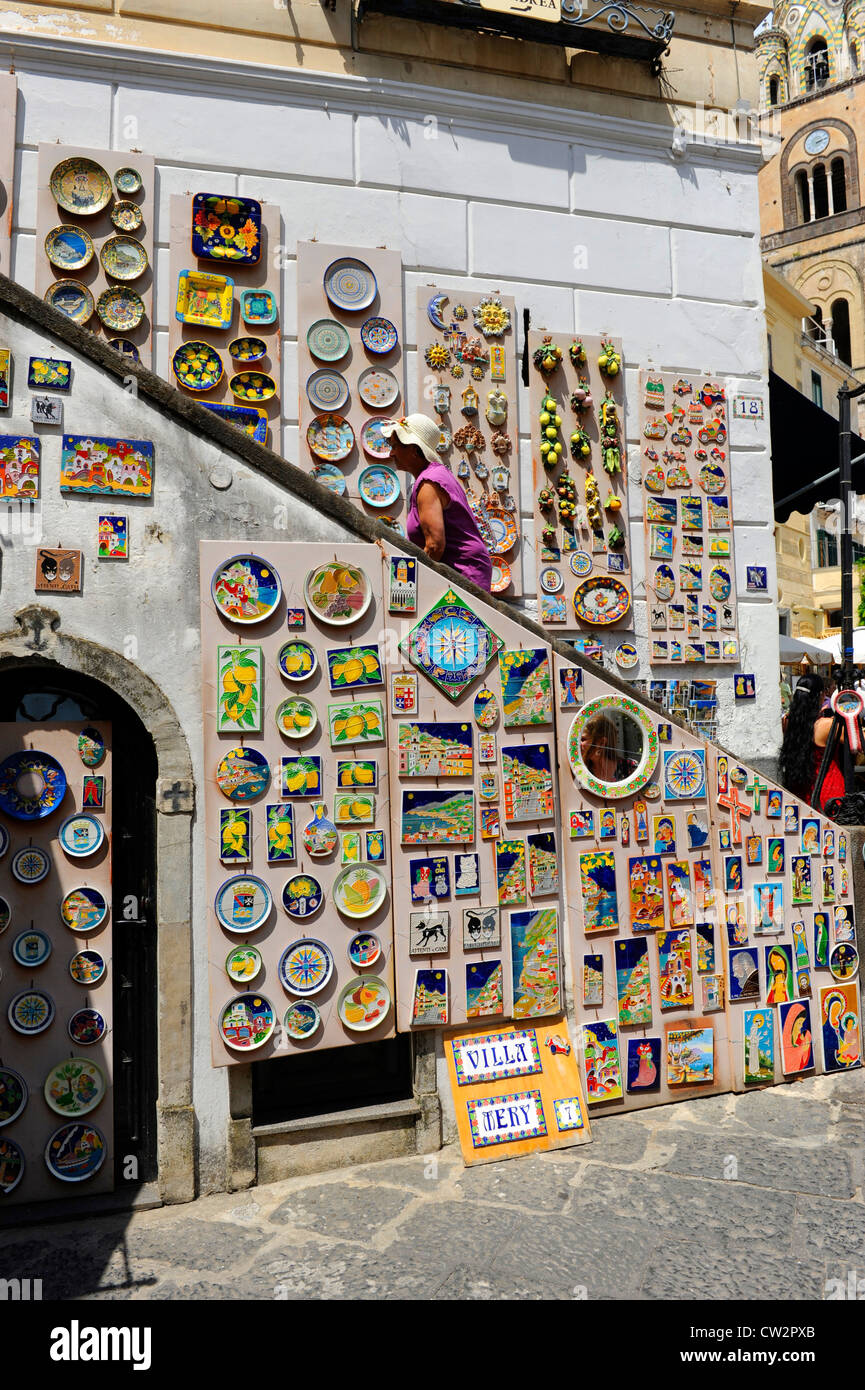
(440, 519)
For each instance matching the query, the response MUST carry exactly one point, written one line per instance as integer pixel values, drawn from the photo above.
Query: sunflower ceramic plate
(243, 774)
(247, 349)
(123, 258)
(87, 1027)
(377, 387)
(379, 485)
(327, 389)
(359, 890)
(81, 186)
(243, 903)
(226, 228)
(601, 600)
(204, 300)
(350, 284)
(372, 441)
(81, 835)
(306, 966)
(246, 589)
(337, 594)
(74, 1087)
(302, 896)
(83, 909)
(69, 248)
(379, 335)
(364, 1003)
(243, 964)
(297, 660)
(72, 299)
(301, 1020)
(120, 308)
(128, 180)
(257, 307)
(247, 1022)
(328, 340)
(126, 216)
(31, 1011)
(197, 366)
(75, 1152)
(330, 477)
(32, 785)
(252, 387)
(330, 437)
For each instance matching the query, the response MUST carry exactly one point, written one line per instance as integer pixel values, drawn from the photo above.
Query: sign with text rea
(496, 1056)
(526, 9)
(502, 1119)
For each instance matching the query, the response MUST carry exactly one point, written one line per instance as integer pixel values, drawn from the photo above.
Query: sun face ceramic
(197, 366)
(81, 186)
(72, 299)
(204, 300)
(123, 258)
(226, 228)
(69, 248)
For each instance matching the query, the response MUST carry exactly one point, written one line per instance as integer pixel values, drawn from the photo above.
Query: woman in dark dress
(806, 730)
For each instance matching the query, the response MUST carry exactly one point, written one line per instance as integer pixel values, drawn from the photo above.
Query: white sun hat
(418, 430)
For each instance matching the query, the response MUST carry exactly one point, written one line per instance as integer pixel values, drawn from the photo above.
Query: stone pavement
(753, 1196)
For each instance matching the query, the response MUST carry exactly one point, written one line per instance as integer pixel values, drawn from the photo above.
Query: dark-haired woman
(807, 725)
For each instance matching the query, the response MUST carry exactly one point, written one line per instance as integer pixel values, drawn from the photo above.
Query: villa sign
(526, 9)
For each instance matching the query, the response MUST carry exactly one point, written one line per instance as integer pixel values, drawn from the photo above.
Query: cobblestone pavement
(759, 1195)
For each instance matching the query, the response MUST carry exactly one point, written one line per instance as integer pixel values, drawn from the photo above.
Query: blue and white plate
(327, 389)
(350, 284)
(243, 903)
(81, 835)
(379, 335)
(31, 948)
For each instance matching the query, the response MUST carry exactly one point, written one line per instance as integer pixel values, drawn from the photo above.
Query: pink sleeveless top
(464, 549)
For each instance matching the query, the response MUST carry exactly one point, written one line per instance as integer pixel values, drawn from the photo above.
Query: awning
(793, 650)
(805, 452)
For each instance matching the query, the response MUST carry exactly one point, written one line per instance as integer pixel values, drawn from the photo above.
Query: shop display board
(579, 467)
(258, 337)
(688, 510)
(703, 908)
(56, 985)
(516, 1090)
(297, 818)
(8, 113)
(468, 382)
(89, 233)
(351, 372)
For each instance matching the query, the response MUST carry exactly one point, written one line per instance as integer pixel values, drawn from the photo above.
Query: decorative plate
(247, 349)
(503, 527)
(247, 1022)
(243, 774)
(226, 229)
(330, 437)
(364, 1003)
(123, 258)
(551, 580)
(327, 389)
(337, 594)
(11, 1165)
(305, 966)
(30, 865)
(128, 180)
(252, 386)
(379, 335)
(126, 216)
(205, 300)
(246, 589)
(379, 486)
(330, 477)
(328, 340)
(501, 576)
(665, 582)
(378, 388)
(31, 1011)
(626, 655)
(75, 1152)
(302, 896)
(197, 366)
(5, 914)
(297, 660)
(257, 307)
(91, 747)
(87, 967)
(120, 308)
(372, 441)
(128, 349)
(14, 1094)
(31, 948)
(253, 422)
(86, 1027)
(32, 785)
(69, 248)
(243, 903)
(719, 583)
(301, 1020)
(4, 843)
(712, 478)
(81, 186)
(74, 1087)
(296, 717)
(350, 284)
(581, 563)
(601, 600)
(72, 299)
(359, 890)
(364, 949)
(451, 645)
(81, 835)
(392, 522)
(243, 964)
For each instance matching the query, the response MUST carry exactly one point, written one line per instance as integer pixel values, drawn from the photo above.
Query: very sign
(526, 9)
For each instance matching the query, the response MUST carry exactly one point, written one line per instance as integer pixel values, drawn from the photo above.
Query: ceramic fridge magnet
(437, 817)
(429, 932)
(451, 645)
(430, 1000)
(511, 872)
(235, 835)
(429, 879)
(403, 692)
(19, 466)
(402, 588)
(603, 1065)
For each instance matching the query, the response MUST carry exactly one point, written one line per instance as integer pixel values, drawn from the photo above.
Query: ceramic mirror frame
(617, 791)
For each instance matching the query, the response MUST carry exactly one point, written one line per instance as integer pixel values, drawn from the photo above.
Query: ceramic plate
(69, 248)
(257, 307)
(364, 949)
(843, 961)
(379, 335)
(87, 1027)
(253, 422)
(243, 964)
(372, 441)
(501, 578)
(327, 389)
(128, 349)
(378, 388)
(120, 308)
(330, 477)
(359, 890)
(581, 563)
(330, 437)
(626, 655)
(379, 485)
(81, 186)
(31, 1011)
(302, 896)
(297, 660)
(301, 1020)
(601, 600)
(32, 785)
(81, 835)
(226, 228)
(297, 717)
(126, 216)
(551, 580)
(305, 966)
(72, 299)
(30, 865)
(75, 1152)
(247, 349)
(123, 258)
(364, 1003)
(204, 300)
(337, 594)
(503, 527)
(87, 967)
(197, 366)
(712, 478)
(74, 1087)
(247, 1022)
(349, 284)
(328, 340)
(719, 583)
(243, 903)
(4, 840)
(11, 1165)
(31, 948)
(252, 386)
(13, 1095)
(243, 774)
(5, 914)
(246, 589)
(128, 180)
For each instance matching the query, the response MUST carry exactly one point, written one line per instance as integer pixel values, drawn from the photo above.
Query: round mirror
(612, 747)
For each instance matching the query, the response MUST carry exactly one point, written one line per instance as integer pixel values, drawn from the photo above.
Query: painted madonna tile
(535, 960)
(843, 928)
(603, 1067)
(528, 782)
(570, 687)
(773, 805)
(664, 831)
(593, 980)
(800, 870)
(430, 817)
(775, 856)
(768, 909)
(690, 1055)
(543, 864)
(598, 885)
(527, 693)
(758, 1027)
(744, 974)
(435, 750)
(674, 964)
(646, 893)
(810, 836)
(240, 689)
(511, 872)
(705, 948)
(633, 982)
(821, 939)
(779, 973)
(120, 466)
(839, 1021)
(644, 1064)
(794, 1023)
(484, 989)
(680, 894)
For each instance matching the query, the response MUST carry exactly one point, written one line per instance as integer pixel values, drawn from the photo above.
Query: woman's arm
(430, 513)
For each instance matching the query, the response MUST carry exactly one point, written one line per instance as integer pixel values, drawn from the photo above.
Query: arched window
(854, 56)
(773, 91)
(816, 67)
(820, 184)
(839, 185)
(804, 196)
(841, 329)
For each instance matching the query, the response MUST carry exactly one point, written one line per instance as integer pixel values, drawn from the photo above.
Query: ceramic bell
(497, 407)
